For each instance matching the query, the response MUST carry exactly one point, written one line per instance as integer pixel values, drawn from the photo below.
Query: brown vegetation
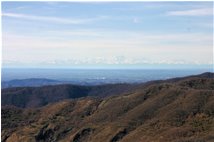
(181, 110)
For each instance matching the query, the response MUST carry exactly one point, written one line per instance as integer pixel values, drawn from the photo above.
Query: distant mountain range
(173, 110)
(49, 91)
(29, 82)
(37, 82)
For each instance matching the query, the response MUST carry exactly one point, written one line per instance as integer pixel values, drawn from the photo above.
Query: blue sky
(107, 34)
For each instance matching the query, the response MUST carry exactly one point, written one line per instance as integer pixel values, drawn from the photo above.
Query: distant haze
(97, 76)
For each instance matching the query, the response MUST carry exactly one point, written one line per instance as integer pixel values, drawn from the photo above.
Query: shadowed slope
(28, 97)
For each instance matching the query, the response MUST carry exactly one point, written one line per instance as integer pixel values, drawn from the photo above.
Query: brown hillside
(177, 111)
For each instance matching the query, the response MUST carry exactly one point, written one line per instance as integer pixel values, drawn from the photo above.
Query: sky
(107, 34)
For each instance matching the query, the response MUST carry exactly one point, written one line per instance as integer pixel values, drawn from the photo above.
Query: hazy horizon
(97, 76)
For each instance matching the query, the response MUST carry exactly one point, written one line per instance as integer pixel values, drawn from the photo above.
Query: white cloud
(54, 19)
(122, 48)
(192, 12)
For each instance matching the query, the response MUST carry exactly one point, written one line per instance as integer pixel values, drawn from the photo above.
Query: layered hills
(178, 110)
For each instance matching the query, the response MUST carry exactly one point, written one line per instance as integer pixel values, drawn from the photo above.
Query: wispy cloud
(54, 19)
(136, 20)
(76, 33)
(192, 12)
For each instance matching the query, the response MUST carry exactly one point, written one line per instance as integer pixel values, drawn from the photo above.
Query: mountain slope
(178, 111)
